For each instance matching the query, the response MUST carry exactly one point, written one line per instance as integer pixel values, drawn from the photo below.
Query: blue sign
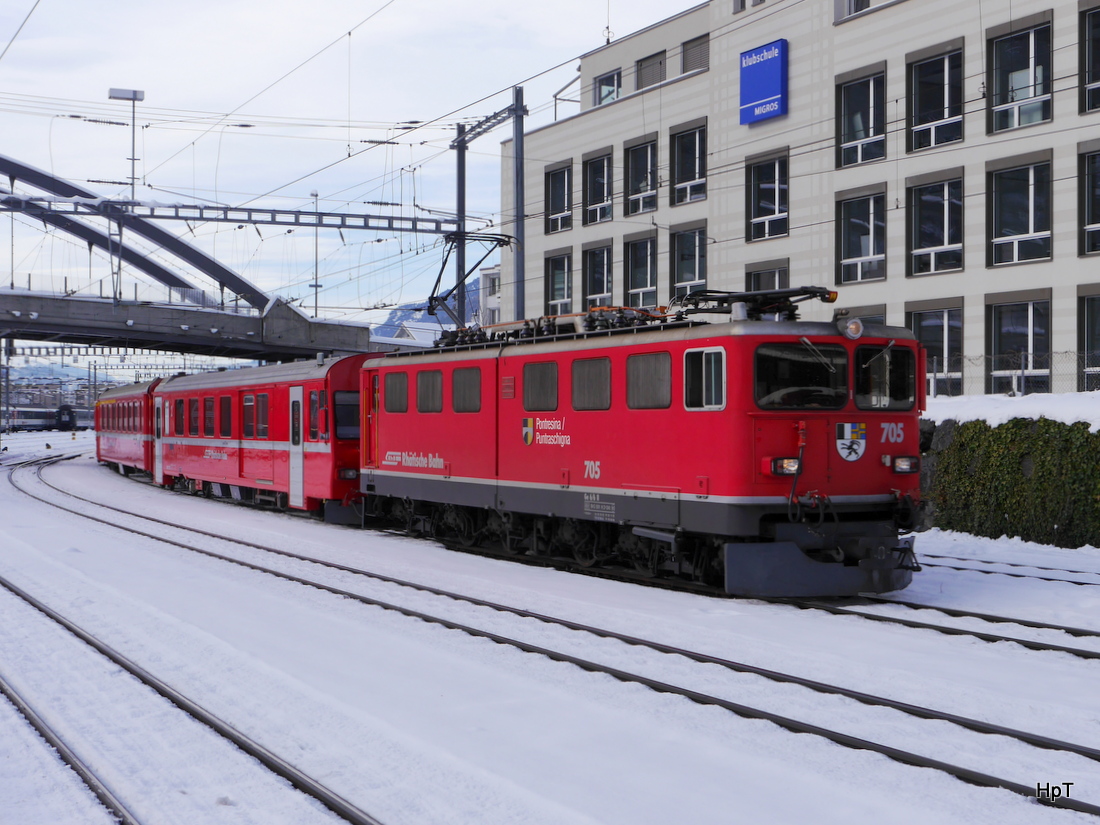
(764, 82)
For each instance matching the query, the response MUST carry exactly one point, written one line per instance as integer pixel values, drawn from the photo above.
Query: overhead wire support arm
(439, 301)
(230, 214)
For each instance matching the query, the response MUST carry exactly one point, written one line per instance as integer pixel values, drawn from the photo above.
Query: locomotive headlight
(851, 327)
(347, 473)
(786, 466)
(906, 464)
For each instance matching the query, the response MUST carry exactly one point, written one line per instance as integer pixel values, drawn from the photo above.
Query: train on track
(63, 418)
(761, 455)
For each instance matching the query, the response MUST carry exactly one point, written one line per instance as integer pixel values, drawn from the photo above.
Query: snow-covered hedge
(1035, 479)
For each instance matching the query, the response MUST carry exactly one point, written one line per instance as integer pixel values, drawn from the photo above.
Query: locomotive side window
(649, 381)
(225, 416)
(397, 392)
(705, 379)
(885, 378)
(466, 390)
(540, 387)
(261, 415)
(429, 391)
(800, 376)
(208, 416)
(177, 417)
(592, 384)
(193, 416)
(248, 416)
(314, 406)
(345, 412)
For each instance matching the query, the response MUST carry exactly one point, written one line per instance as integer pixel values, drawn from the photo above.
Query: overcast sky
(263, 101)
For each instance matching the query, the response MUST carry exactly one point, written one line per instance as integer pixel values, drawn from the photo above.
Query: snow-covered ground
(418, 724)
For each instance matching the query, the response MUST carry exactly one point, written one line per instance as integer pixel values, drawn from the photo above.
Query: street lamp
(132, 95)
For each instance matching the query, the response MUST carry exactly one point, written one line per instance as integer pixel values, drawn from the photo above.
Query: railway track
(964, 773)
(1092, 577)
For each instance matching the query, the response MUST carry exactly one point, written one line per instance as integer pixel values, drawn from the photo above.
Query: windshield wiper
(817, 353)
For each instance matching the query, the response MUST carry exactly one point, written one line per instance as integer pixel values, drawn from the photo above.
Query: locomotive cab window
(314, 407)
(466, 390)
(705, 379)
(429, 391)
(540, 387)
(345, 412)
(885, 378)
(801, 376)
(592, 384)
(649, 381)
(397, 392)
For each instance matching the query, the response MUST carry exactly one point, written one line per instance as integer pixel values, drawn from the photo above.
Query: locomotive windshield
(886, 378)
(346, 412)
(797, 376)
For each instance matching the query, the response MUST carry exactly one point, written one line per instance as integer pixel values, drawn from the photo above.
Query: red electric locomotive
(285, 436)
(772, 456)
(123, 423)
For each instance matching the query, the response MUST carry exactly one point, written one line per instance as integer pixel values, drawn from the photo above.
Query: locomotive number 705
(893, 433)
(591, 469)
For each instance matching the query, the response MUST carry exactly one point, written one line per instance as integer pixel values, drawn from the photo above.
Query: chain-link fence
(1018, 373)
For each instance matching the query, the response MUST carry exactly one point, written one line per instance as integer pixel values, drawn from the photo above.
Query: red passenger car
(286, 435)
(773, 457)
(123, 423)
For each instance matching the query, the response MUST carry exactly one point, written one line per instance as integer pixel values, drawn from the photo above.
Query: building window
(592, 384)
(608, 87)
(597, 189)
(597, 277)
(689, 166)
(540, 386)
(689, 262)
(1021, 347)
(429, 391)
(1090, 182)
(696, 54)
(1090, 61)
(761, 280)
(863, 120)
(705, 379)
(1021, 214)
(862, 239)
(1091, 336)
(649, 381)
(855, 6)
(939, 332)
(649, 71)
(1021, 79)
(767, 188)
(641, 178)
(559, 285)
(937, 227)
(937, 104)
(559, 199)
(641, 273)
